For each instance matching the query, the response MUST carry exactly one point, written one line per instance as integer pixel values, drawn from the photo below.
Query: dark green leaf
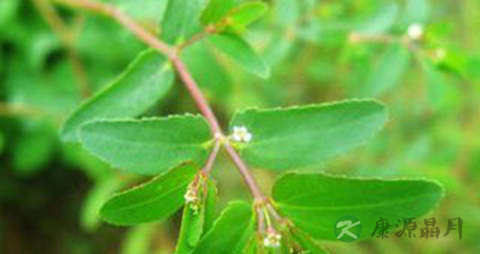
(145, 81)
(242, 53)
(153, 201)
(315, 201)
(150, 145)
(306, 136)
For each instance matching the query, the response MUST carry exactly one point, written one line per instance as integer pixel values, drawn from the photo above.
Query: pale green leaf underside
(147, 79)
(315, 201)
(148, 146)
(241, 53)
(303, 137)
(153, 201)
(230, 231)
(389, 70)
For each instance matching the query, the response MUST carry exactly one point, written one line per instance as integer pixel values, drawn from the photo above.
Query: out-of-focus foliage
(314, 51)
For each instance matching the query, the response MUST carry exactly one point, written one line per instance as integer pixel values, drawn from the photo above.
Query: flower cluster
(241, 134)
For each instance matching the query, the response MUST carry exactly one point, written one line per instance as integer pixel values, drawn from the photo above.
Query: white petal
(247, 137)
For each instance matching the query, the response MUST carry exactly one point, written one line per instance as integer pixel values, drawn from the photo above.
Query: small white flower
(272, 239)
(191, 199)
(415, 31)
(241, 134)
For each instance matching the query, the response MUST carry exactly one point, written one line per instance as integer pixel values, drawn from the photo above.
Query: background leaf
(148, 146)
(241, 52)
(315, 201)
(152, 201)
(216, 10)
(307, 134)
(181, 20)
(139, 239)
(246, 13)
(145, 81)
(389, 70)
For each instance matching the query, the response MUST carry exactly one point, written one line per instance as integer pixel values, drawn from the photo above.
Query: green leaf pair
(228, 17)
(308, 135)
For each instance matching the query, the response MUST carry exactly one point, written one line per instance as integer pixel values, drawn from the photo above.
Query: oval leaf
(145, 81)
(301, 137)
(314, 202)
(153, 201)
(148, 146)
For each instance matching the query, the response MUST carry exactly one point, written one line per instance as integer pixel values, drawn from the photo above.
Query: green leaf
(416, 11)
(144, 10)
(389, 70)
(442, 95)
(306, 136)
(247, 13)
(242, 53)
(148, 146)
(153, 201)
(200, 59)
(33, 149)
(139, 239)
(145, 81)
(230, 232)
(287, 12)
(307, 243)
(194, 220)
(315, 201)
(95, 198)
(181, 20)
(216, 10)
(382, 20)
(8, 8)
(210, 205)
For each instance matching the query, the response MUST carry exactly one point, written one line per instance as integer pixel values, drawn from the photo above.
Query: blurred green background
(318, 51)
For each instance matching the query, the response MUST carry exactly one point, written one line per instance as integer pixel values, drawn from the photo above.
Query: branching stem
(184, 74)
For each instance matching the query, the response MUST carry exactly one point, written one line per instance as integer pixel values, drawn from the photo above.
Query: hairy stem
(189, 82)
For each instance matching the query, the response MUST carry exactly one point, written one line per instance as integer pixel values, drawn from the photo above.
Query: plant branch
(67, 37)
(189, 82)
(212, 157)
(124, 20)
